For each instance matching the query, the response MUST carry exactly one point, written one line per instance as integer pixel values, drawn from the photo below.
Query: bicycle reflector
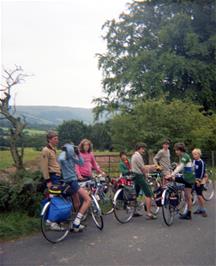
(55, 190)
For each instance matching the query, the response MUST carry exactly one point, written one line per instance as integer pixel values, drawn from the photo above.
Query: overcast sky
(57, 42)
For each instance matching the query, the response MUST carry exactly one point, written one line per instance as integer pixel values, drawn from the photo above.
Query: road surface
(139, 242)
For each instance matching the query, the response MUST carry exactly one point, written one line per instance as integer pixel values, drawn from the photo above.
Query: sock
(78, 219)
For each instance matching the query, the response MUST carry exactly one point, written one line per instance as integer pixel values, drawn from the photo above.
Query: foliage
(155, 120)
(72, 131)
(17, 224)
(100, 136)
(75, 131)
(24, 193)
(160, 48)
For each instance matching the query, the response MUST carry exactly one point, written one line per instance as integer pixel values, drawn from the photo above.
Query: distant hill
(54, 115)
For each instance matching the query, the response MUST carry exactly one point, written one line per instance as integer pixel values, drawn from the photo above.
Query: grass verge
(15, 225)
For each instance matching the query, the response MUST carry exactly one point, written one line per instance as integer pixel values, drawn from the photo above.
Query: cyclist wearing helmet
(139, 170)
(187, 177)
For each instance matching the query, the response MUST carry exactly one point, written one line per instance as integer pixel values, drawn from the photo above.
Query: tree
(155, 120)
(160, 48)
(100, 136)
(12, 78)
(72, 131)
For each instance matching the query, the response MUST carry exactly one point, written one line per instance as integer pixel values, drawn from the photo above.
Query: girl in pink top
(84, 172)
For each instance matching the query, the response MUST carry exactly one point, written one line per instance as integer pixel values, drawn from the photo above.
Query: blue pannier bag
(59, 209)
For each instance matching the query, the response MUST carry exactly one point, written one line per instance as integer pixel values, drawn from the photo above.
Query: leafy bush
(23, 193)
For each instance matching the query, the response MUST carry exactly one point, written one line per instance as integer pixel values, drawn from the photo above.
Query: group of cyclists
(75, 164)
(191, 173)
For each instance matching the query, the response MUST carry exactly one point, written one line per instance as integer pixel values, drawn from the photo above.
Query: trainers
(137, 214)
(77, 228)
(56, 227)
(151, 217)
(186, 216)
(198, 212)
(204, 214)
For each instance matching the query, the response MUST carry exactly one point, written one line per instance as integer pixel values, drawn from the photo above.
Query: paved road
(140, 242)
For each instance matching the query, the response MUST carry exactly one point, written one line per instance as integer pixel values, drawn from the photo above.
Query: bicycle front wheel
(167, 209)
(123, 209)
(53, 232)
(208, 192)
(96, 213)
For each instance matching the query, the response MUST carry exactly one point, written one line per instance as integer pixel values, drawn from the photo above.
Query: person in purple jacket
(200, 174)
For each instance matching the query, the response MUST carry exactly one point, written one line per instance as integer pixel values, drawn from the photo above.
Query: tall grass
(15, 225)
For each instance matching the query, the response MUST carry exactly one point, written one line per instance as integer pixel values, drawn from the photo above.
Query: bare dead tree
(10, 79)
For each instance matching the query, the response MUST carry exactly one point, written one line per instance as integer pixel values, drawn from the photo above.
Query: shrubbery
(22, 194)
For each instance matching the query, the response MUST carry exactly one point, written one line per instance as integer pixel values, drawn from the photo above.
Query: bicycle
(125, 202)
(64, 227)
(104, 193)
(173, 202)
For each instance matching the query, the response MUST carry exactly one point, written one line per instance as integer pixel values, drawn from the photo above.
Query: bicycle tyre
(120, 202)
(106, 201)
(96, 213)
(167, 209)
(53, 236)
(209, 190)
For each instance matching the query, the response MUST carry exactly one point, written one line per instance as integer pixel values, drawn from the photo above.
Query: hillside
(53, 115)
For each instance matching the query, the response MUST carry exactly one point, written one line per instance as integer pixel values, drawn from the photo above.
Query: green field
(30, 154)
(6, 159)
(29, 131)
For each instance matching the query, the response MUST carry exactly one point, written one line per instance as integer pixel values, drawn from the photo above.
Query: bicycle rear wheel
(106, 201)
(208, 192)
(96, 213)
(167, 209)
(123, 209)
(53, 232)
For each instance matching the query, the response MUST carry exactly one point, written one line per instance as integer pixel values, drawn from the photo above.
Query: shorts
(140, 183)
(199, 189)
(180, 179)
(55, 179)
(74, 186)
